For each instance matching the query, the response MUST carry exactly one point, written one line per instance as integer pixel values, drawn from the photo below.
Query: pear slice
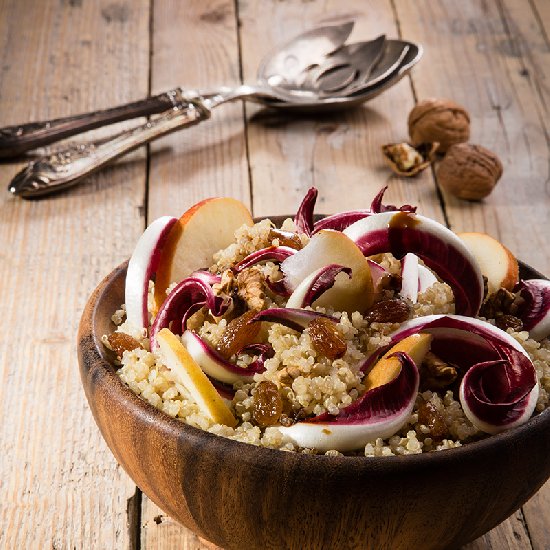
(180, 362)
(387, 368)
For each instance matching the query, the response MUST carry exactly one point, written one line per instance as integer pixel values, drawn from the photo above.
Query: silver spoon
(281, 65)
(64, 169)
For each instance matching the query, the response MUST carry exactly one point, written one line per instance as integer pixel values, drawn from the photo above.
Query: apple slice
(142, 266)
(388, 367)
(333, 247)
(204, 229)
(496, 262)
(190, 375)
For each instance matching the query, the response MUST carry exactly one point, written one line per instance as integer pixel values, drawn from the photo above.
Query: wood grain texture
(492, 62)
(60, 485)
(340, 153)
(200, 51)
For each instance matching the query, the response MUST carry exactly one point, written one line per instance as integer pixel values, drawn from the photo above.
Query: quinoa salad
(375, 332)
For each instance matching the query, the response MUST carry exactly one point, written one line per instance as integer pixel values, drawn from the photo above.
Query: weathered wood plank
(509, 535)
(61, 487)
(200, 51)
(536, 513)
(337, 153)
(477, 56)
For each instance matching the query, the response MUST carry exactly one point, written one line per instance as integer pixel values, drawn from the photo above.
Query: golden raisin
(388, 311)
(238, 334)
(121, 342)
(431, 417)
(268, 405)
(326, 338)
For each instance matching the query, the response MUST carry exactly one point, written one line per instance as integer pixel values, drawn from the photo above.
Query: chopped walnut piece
(238, 334)
(286, 238)
(121, 342)
(226, 285)
(432, 419)
(502, 302)
(506, 321)
(250, 285)
(435, 374)
(407, 160)
(326, 338)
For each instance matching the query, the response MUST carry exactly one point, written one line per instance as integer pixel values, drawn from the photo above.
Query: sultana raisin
(268, 405)
(431, 417)
(238, 334)
(326, 338)
(388, 311)
(121, 342)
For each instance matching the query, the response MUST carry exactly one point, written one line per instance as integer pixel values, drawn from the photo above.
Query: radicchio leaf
(439, 248)
(296, 319)
(186, 298)
(215, 365)
(304, 216)
(271, 253)
(340, 221)
(495, 398)
(313, 286)
(263, 351)
(376, 206)
(535, 311)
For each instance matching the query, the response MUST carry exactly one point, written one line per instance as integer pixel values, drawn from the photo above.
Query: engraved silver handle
(66, 168)
(16, 140)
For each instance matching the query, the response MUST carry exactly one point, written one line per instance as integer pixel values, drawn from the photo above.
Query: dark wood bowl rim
(266, 456)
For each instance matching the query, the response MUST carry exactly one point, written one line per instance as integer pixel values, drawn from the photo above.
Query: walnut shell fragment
(469, 171)
(406, 159)
(440, 120)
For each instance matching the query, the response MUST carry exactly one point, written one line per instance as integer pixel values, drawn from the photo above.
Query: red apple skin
(164, 276)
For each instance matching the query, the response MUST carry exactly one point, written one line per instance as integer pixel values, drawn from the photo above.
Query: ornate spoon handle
(16, 140)
(66, 168)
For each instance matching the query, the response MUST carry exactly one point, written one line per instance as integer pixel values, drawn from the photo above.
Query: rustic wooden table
(60, 486)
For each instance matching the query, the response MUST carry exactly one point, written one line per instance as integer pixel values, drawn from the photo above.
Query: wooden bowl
(244, 497)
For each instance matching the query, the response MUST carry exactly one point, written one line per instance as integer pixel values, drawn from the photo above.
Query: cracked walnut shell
(439, 120)
(469, 171)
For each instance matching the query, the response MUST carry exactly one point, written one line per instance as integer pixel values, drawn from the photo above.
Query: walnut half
(407, 160)
(250, 285)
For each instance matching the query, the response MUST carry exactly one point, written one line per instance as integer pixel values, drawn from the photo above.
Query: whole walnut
(469, 171)
(439, 120)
